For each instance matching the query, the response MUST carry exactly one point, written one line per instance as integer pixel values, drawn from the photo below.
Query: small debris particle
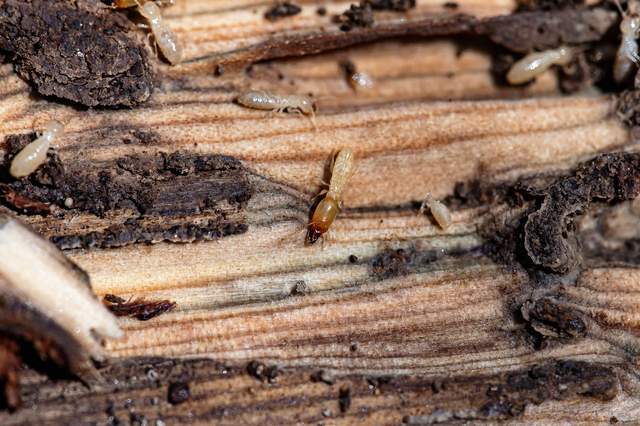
(299, 289)
(160, 423)
(344, 398)
(326, 413)
(322, 11)
(357, 15)
(152, 374)
(451, 5)
(394, 5)
(613, 420)
(282, 10)
(138, 308)
(68, 202)
(322, 376)
(22, 204)
(220, 70)
(354, 347)
(178, 392)
(262, 372)
(137, 420)
(353, 258)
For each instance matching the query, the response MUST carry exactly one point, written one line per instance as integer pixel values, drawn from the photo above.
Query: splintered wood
(415, 323)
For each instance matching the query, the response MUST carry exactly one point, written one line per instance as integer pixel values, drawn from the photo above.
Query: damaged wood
(84, 52)
(408, 321)
(521, 32)
(173, 391)
(154, 194)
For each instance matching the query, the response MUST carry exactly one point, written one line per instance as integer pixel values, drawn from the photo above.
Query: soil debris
(198, 197)
(344, 398)
(357, 16)
(528, 31)
(282, 10)
(323, 376)
(142, 310)
(548, 5)
(263, 372)
(551, 320)
(84, 51)
(178, 392)
(394, 5)
(22, 205)
(549, 233)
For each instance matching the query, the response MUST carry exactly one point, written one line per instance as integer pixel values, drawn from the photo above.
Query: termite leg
(312, 117)
(143, 26)
(422, 208)
(324, 191)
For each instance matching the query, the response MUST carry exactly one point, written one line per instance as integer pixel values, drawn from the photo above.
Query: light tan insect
(627, 55)
(534, 64)
(439, 211)
(35, 153)
(328, 208)
(166, 38)
(262, 99)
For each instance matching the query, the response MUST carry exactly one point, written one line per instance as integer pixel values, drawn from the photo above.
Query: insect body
(327, 209)
(438, 210)
(534, 64)
(627, 56)
(35, 153)
(165, 37)
(261, 99)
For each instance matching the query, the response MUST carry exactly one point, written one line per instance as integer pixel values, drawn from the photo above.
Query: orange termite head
(314, 233)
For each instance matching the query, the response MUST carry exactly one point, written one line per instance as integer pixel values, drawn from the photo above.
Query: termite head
(322, 219)
(55, 128)
(630, 25)
(314, 233)
(150, 11)
(306, 104)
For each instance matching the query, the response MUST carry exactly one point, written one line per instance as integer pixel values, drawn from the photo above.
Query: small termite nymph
(35, 153)
(327, 209)
(439, 211)
(627, 55)
(165, 36)
(534, 64)
(261, 99)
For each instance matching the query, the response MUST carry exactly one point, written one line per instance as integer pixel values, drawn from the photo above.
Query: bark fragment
(84, 52)
(549, 233)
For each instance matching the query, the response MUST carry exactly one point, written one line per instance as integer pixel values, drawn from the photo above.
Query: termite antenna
(619, 6)
(295, 232)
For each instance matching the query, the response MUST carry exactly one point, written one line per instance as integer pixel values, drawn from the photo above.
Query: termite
(534, 64)
(327, 209)
(35, 153)
(261, 99)
(165, 37)
(439, 211)
(627, 56)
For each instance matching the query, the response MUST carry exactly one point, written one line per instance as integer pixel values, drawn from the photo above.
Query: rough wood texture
(441, 329)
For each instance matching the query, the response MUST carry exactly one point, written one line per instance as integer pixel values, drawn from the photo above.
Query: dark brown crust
(527, 31)
(76, 50)
(549, 239)
(179, 197)
(520, 32)
(141, 309)
(466, 397)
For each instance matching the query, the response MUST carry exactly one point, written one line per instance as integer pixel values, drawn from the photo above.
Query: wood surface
(434, 335)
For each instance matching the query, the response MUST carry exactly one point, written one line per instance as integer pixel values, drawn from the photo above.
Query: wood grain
(452, 314)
